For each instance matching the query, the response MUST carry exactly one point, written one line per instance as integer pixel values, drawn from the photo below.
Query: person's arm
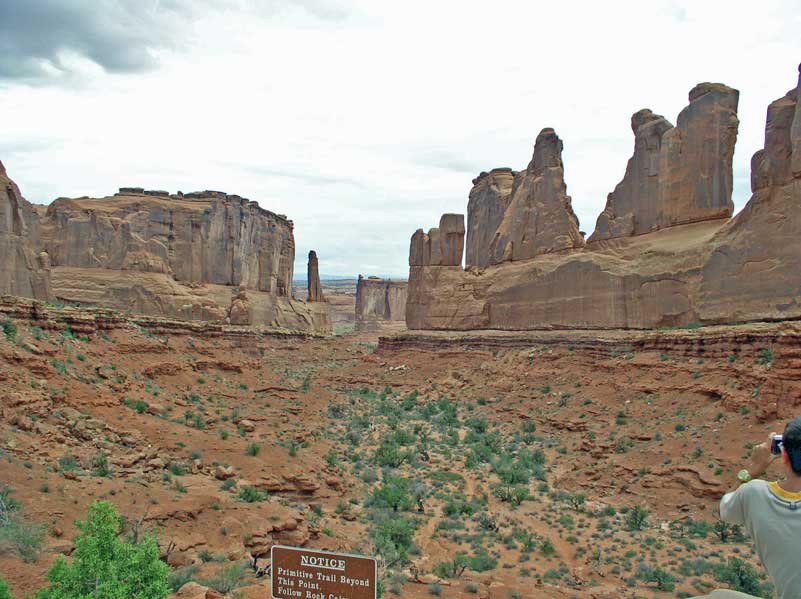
(732, 506)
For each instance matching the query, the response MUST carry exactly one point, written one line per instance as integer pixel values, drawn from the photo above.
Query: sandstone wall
(677, 175)
(689, 266)
(204, 237)
(23, 271)
(199, 256)
(380, 301)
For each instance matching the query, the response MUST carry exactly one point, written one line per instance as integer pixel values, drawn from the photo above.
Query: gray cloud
(121, 36)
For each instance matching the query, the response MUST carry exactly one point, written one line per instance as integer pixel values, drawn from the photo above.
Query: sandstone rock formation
(677, 175)
(539, 218)
(489, 200)
(239, 312)
(754, 271)
(313, 279)
(441, 246)
(671, 265)
(380, 302)
(24, 270)
(153, 253)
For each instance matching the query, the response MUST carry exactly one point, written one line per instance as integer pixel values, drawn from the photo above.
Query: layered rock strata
(380, 302)
(677, 175)
(152, 253)
(24, 270)
(687, 263)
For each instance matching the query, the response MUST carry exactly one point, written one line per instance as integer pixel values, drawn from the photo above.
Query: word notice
(306, 574)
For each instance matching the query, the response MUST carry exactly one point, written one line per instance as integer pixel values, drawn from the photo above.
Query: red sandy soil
(662, 429)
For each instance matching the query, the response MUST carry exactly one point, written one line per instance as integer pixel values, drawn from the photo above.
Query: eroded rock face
(156, 254)
(203, 237)
(441, 246)
(677, 175)
(313, 279)
(687, 265)
(754, 271)
(489, 200)
(24, 270)
(539, 218)
(379, 301)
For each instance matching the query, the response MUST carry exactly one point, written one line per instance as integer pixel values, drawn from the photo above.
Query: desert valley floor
(559, 465)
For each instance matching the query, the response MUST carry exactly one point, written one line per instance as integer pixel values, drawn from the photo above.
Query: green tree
(637, 518)
(395, 493)
(105, 566)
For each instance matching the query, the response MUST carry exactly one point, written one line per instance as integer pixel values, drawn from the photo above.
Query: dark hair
(792, 443)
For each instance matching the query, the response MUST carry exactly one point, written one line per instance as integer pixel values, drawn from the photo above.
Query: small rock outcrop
(539, 218)
(313, 279)
(442, 246)
(677, 175)
(380, 302)
(24, 270)
(239, 312)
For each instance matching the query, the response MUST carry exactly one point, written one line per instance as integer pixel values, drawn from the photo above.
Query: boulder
(239, 311)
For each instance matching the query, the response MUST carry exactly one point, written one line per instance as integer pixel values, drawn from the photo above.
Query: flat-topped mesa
(489, 200)
(677, 175)
(539, 218)
(24, 270)
(441, 246)
(315, 289)
(379, 301)
(200, 237)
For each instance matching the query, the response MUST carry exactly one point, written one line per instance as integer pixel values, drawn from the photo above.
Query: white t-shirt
(772, 516)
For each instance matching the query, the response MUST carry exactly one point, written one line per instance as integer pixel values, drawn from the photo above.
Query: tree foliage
(104, 566)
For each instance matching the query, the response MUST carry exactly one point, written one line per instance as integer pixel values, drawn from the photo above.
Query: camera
(776, 445)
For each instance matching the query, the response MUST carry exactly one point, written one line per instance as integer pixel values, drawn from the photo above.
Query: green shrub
(227, 579)
(180, 576)
(395, 494)
(22, 537)
(253, 449)
(9, 329)
(4, 592)
(742, 576)
(104, 566)
(250, 494)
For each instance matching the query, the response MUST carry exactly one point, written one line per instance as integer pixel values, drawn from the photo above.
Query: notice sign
(305, 574)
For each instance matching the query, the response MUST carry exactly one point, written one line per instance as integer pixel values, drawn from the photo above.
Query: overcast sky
(363, 120)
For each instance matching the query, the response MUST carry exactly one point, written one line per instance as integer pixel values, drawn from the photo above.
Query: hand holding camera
(764, 454)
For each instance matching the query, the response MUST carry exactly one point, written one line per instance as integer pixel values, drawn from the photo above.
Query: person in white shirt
(771, 511)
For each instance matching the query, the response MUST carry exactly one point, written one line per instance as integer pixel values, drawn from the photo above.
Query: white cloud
(363, 121)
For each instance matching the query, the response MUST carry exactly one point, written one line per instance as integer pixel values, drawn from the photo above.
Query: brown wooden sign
(307, 574)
